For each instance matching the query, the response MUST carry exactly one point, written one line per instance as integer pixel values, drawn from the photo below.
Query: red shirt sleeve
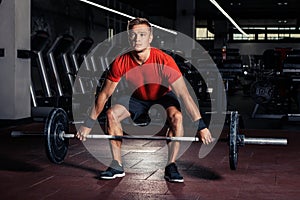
(114, 72)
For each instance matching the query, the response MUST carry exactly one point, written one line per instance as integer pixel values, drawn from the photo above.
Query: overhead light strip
(125, 15)
(228, 17)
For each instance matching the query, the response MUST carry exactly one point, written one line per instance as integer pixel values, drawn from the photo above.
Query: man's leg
(115, 115)
(176, 130)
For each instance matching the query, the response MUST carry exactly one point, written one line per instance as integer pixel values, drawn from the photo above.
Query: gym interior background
(260, 73)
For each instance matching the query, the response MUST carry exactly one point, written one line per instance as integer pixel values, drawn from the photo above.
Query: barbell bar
(62, 135)
(244, 140)
(56, 132)
(138, 137)
(254, 141)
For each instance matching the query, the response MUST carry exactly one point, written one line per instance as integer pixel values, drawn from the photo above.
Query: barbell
(56, 132)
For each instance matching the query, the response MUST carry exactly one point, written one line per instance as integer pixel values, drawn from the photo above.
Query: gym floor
(264, 172)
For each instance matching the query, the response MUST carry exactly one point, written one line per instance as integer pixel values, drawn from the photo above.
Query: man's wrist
(200, 124)
(89, 122)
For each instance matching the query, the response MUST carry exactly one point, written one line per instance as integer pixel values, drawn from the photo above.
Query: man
(157, 80)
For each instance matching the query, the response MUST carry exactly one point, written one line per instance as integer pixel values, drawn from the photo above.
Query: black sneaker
(113, 171)
(172, 174)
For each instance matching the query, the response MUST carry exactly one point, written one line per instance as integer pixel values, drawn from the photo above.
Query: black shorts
(139, 108)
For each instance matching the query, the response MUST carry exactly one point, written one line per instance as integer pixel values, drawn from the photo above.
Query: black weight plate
(233, 147)
(56, 145)
(262, 91)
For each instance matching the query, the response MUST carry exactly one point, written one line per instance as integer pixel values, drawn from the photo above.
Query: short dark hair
(137, 21)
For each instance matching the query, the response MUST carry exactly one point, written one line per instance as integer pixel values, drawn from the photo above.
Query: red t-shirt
(148, 81)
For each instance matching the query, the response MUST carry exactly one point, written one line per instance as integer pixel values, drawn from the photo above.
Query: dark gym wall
(259, 48)
(68, 16)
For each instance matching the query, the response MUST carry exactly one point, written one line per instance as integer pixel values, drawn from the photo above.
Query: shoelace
(173, 169)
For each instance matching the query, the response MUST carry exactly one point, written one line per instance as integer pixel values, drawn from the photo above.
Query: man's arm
(107, 90)
(182, 92)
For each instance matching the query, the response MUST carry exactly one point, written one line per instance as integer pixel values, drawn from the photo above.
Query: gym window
(268, 33)
(204, 34)
(239, 36)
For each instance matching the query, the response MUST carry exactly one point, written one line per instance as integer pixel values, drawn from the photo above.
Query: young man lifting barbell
(145, 64)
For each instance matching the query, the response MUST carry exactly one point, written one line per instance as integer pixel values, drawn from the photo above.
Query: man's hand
(205, 136)
(83, 132)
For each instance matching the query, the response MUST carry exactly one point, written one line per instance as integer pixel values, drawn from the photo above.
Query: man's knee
(176, 117)
(110, 115)
(117, 113)
(113, 123)
(175, 123)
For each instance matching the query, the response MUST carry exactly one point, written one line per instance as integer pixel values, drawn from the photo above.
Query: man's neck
(142, 56)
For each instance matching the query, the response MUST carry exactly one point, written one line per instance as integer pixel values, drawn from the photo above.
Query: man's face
(140, 37)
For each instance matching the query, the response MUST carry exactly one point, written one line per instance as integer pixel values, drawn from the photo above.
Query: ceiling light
(228, 17)
(235, 3)
(282, 21)
(282, 3)
(125, 15)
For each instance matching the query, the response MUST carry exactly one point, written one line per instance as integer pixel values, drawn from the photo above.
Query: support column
(221, 33)
(185, 23)
(15, 77)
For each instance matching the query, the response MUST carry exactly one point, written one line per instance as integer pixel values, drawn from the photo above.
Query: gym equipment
(60, 46)
(41, 90)
(262, 91)
(291, 70)
(80, 51)
(56, 146)
(57, 137)
(230, 65)
(275, 90)
(39, 42)
(78, 55)
(235, 139)
(272, 96)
